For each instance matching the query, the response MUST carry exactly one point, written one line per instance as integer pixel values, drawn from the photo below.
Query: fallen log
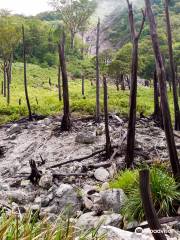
(98, 165)
(59, 176)
(79, 159)
(163, 220)
(76, 160)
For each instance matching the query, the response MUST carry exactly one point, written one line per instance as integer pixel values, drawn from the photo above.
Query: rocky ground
(82, 185)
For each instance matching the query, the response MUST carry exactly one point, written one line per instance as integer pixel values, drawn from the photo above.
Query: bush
(164, 192)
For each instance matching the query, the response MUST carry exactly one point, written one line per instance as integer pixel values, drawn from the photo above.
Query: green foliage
(126, 180)
(47, 96)
(31, 228)
(164, 192)
(9, 35)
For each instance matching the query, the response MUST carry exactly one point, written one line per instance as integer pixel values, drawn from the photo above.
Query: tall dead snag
(5, 78)
(59, 83)
(172, 66)
(2, 88)
(25, 76)
(82, 56)
(97, 75)
(149, 209)
(66, 123)
(133, 91)
(157, 115)
(108, 141)
(163, 93)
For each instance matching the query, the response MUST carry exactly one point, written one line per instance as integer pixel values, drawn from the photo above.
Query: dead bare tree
(59, 83)
(5, 78)
(66, 123)
(97, 75)
(133, 90)
(172, 66)
(163, 93)
(2, 88)
(82, 56)
(149, 209)
(108, 141)
(157, 115)
(25, 76)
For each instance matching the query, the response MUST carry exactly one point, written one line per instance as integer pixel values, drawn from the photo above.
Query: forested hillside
(90, 121)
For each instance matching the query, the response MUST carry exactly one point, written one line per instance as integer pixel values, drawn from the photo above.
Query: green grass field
(48, 103)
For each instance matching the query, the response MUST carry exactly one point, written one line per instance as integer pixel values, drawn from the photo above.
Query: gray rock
(50, 210)
(101, 174)
(105, 186)
(67, 198)
(178, 211)
(18, 197)
(46, 181)
(89, 220)
(88, 204)
(45, 200)
(85, 138)
(114, 233)
(100, 129)
(15, 128)
(113, 199)
(132, 224)
(4, 187)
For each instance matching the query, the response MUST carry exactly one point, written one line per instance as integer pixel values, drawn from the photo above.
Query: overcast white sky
(27, 7)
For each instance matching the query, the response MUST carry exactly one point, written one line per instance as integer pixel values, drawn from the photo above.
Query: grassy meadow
(44, 98)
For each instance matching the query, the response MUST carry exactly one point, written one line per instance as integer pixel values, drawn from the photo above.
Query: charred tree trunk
(163, 93)
(133, 91)
(25, 77)
(8, 78)
(149, 209)
(35, 175)
(122, 83)
(5, 78)
(97, 75)
(83, 91)
(117, 84)
(156, 96)
(2, 87)
(157, 115)
(108, 141)
(66, 123)
(82, 56)
(172, 66)
(59, 82)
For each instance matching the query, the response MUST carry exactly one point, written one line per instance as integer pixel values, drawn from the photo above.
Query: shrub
(164, 192)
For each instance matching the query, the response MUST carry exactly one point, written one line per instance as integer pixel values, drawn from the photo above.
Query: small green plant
(126, 180)
(164, 192)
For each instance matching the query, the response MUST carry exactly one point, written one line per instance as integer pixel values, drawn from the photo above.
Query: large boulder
(90, 220)
(113, 199)
(85, 137)
(67, 198)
